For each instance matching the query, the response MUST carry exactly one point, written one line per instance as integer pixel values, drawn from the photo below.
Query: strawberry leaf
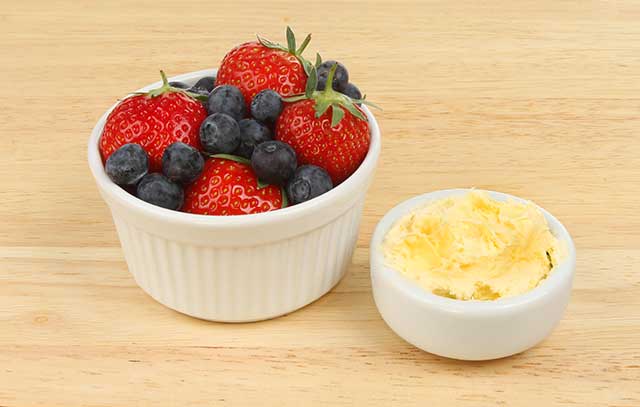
(336, 115)
(304, 44)
(231, 157)
(197, 96)
(366, 102)
(321, 106)
(262, 184)
(306, 65)
(295, 98)
(291, 40)
(269, 44)
(291, 48)
(354, 111)
(285, 200)
(312, 82)
(318, 60)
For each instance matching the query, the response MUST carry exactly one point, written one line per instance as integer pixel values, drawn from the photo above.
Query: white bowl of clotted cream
(469, 329)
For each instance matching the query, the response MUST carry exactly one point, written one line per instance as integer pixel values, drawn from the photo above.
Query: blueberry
(179, 85)
(352, 91)
(160, 191)
(227, 99)
(266, 106)
(127, 165)
(340, 78)
(252, 133)
(274, 162)
(219, 133)
(182, 163)
(308, 182)
(206, 84)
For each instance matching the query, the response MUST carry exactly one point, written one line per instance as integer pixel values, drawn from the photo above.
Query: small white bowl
(238, 268)
(468, 330)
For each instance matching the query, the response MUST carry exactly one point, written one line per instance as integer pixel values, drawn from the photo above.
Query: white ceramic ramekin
(468, 330)
(238, 268)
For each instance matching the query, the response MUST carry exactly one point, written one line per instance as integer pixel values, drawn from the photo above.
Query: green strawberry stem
(329, 97)
(166, 88)
(162, 89)
(291, 48)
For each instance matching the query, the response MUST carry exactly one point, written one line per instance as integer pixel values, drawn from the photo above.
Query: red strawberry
(154, 120)
(259, 65)
(228, 186)
(337, 142)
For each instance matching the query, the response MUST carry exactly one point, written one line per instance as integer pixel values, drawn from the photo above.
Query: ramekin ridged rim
(548, 287)
(350, 186)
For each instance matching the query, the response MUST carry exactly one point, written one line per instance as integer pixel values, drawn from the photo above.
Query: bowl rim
(347, 188)
(550, 286)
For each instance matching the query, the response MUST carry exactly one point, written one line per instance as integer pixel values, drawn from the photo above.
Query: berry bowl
(238, 268)
(469, 329)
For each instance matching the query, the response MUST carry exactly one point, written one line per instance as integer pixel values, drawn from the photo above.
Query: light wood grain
(536, 98)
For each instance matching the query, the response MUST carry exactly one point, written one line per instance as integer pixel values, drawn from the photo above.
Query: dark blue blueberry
(340, 78)
(352, 91)
(127, 165)
(308, 182)
(274, 162)
(266, 106)
(205, 84)
(252, 133)
(182, 163)
(227, 99)
(160, 191)
(179, 85)
(219, 134)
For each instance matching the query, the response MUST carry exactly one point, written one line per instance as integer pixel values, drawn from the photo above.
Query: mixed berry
(267, 132)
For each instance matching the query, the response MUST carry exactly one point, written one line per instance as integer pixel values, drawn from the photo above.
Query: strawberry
(154, 120)
(228, 186)
(337, 142)
(259, 65)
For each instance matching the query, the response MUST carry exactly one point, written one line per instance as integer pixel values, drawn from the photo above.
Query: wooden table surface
(535, 98)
